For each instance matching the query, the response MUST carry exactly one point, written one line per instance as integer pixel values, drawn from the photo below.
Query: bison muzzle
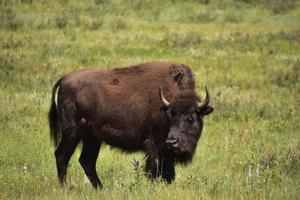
(151, 107)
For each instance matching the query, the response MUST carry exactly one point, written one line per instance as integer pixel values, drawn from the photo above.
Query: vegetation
(247, 52)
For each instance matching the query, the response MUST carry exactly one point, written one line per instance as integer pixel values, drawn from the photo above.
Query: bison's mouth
(174, 145)
(180, 151)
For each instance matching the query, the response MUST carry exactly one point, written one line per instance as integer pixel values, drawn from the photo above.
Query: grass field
(246, 52)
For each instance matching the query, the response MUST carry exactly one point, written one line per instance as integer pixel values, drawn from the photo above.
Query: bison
(150, 107)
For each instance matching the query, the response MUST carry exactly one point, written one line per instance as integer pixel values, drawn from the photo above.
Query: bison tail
(55, 133)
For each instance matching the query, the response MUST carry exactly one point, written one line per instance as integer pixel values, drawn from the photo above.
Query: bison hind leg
(88, 158)
(64, 152)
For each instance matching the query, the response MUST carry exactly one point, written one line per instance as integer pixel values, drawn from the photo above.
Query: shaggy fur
(122, 108)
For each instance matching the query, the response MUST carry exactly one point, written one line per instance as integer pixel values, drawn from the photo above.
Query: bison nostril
(172, 141)
(173, 144)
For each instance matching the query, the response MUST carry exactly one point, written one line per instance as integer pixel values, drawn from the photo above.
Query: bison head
(185, 114)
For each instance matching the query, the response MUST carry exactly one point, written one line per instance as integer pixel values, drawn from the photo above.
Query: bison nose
(172, 141)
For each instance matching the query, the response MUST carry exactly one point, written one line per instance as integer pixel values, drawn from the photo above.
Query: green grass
(247, 52)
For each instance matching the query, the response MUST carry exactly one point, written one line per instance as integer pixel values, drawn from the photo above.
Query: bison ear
(166, 111)
(207, 110)
(164, 108)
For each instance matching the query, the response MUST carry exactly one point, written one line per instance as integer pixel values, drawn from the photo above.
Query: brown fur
(122, 108)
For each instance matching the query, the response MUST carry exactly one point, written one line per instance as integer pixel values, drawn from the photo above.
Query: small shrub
(268, 161)
(98, 2)
(204, 17)
(11, 64)
(285, 162)
(288, 36)
(287, 77)
(139, 5)
(249, 1)
(119, 24)
(280, 6)
(233, 18)
(26, 1)
(203, 1)
(292, 159)
(182, 41)
(10, 60)
(61, 21)
(147, 7)
(42, 23)
(70, 19)
(93, 24)
(277, 6)
(11, 42)
(10, 20)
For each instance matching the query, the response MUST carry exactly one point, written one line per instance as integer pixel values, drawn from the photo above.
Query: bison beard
(151, 107)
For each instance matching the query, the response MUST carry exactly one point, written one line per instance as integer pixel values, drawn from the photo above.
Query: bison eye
(190, 119)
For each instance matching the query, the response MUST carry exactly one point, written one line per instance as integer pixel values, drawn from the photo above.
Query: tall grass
(247, 52)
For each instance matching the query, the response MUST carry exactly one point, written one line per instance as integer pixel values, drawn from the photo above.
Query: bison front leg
(159, 166)
(160, 162)
(167, 168)
(152, 167)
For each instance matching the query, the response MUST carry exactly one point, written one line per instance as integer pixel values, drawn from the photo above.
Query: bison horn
(163, 99)
(206, 100)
